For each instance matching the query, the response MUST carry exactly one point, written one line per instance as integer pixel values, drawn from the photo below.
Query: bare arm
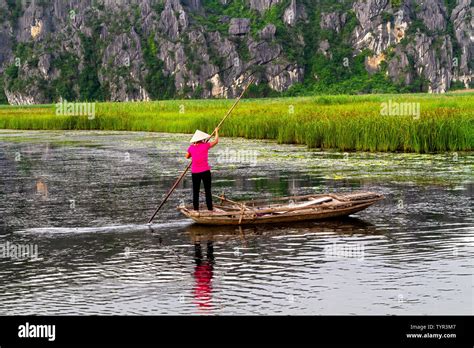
(188, 155)
(216, 138)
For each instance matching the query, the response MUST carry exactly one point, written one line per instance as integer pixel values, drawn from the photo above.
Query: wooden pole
(222, 198)
(170, 191)
(189, 165)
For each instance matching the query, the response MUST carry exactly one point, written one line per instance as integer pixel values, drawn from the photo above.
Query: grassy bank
(444, 122)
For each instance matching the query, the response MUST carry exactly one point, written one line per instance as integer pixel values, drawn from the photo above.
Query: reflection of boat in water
(286, 209)
(346, 225)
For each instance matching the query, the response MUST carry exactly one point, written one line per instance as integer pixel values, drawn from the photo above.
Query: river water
(74, 238)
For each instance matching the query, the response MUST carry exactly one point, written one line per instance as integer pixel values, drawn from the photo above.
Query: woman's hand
(216, 137)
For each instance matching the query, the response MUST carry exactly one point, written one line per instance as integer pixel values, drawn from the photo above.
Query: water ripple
(84, 204)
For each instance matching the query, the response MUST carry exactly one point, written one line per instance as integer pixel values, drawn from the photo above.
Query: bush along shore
(420, 123)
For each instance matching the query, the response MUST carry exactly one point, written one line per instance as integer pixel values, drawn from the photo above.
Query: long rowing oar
(189, 165)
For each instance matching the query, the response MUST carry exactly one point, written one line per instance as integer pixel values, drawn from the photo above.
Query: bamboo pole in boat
(223, 198)
(189, 165)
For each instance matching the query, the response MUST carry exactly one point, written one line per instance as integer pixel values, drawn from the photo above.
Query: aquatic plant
(444, 122)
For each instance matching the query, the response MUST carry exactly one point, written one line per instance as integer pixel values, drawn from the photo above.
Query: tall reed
(445, 122)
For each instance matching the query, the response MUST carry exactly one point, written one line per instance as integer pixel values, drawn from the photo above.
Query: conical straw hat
(198, 136)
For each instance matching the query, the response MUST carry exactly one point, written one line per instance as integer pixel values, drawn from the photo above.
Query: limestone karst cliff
(154, 49)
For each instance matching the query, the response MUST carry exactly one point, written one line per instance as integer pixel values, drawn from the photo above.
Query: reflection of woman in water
(203, 276)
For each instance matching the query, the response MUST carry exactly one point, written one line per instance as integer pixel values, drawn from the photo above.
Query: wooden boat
(285, 209)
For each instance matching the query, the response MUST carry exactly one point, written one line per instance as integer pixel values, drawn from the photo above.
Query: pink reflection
(203, 273)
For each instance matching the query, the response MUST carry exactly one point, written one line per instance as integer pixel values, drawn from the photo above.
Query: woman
(200, 168)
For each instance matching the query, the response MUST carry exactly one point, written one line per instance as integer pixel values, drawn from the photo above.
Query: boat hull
(339, 207)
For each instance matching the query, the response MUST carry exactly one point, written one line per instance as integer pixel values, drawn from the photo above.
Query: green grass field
(444, 123)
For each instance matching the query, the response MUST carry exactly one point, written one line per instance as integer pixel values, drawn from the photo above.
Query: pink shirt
(199, 154)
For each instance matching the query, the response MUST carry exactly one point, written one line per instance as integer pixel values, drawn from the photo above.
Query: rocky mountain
(156, 49)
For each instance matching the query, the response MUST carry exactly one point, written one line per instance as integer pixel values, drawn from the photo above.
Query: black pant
(206, 178)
